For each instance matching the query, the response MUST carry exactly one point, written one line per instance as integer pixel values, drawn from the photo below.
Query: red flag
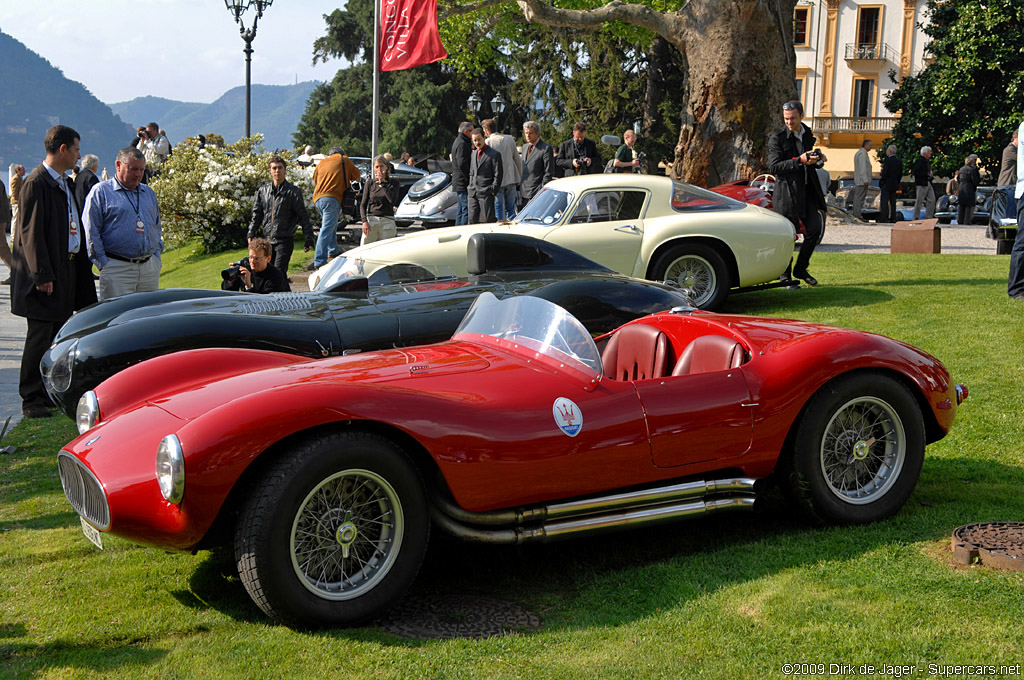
(408, 34)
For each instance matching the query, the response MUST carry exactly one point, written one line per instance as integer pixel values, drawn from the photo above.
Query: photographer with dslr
(255, 274)
(578, 155)
(792, 158)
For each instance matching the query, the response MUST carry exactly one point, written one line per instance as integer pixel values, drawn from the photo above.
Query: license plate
(92, 533)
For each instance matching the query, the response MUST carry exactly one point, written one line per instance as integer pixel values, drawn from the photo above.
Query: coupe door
(696, 418)
(607, 227)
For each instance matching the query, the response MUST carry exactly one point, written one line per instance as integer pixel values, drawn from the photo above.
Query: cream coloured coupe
(640, 225)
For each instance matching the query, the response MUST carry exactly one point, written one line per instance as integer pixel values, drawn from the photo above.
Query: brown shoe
(35, 411)
(6, 282)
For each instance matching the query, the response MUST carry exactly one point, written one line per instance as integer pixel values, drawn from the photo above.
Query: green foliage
(972, 96)
(206, 195)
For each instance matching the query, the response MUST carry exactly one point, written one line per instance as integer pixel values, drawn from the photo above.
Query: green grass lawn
(187, 268)
(733, 596)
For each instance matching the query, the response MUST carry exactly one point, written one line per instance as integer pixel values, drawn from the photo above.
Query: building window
(801, 26)
(863, 98)
(868, 22)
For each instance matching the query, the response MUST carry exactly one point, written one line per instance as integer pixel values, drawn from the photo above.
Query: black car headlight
(58, 378)
(88, 412)
(170, 469)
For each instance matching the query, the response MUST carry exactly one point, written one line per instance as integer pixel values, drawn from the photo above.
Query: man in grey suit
(538, 162)
(484, 179)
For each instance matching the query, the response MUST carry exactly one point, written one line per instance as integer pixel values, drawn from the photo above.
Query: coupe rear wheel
(698, 268)
(335, 531)
(858, 451)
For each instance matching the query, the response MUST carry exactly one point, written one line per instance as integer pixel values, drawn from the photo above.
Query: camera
(815, 155)
(231, 273)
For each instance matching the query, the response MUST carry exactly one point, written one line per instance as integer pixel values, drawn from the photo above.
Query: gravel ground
(848, 235)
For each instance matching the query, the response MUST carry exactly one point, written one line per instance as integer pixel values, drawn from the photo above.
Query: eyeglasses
(791, 106)
(259, 259)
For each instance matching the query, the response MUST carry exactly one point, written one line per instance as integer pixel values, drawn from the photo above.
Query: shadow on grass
(611, 579)
(28, 660)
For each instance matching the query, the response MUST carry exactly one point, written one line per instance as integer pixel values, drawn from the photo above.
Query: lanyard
(138, 198)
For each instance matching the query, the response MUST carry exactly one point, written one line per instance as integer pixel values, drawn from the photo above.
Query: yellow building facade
(845, 50)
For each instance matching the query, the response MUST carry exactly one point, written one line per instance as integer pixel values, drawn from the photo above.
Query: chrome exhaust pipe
(644, 497)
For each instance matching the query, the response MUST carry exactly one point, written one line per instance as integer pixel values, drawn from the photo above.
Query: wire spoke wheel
(346, 534)
(693, 273)
(697, 268)
(863, 450)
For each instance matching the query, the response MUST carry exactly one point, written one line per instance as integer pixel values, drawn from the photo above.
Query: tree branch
(661, 23)
(466, 8)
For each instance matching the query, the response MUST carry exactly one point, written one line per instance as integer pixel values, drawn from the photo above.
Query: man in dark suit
(484, 179)
(889, 182)
(52, 276)
(461, 149)
(792, 159)
(538, 162)
(578, 155)
(86, 178)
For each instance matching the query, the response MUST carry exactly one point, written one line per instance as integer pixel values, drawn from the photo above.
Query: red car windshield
(688, 198)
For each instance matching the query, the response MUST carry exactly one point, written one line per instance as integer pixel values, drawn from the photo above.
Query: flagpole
(376, 78)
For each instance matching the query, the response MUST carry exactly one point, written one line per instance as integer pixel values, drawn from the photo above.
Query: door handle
(628, 227)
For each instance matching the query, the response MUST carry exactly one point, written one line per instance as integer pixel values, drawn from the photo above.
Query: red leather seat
(636, 352)
(709, 353)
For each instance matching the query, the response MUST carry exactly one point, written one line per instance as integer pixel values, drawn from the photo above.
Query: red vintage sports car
(328, 475)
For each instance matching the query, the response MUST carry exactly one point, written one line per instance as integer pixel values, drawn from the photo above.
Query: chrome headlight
(88, 412)
(170, 469)
(59, 377)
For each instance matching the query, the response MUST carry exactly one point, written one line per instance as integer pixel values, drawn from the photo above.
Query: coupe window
(688, 198)
(547, 207)
(610, 206)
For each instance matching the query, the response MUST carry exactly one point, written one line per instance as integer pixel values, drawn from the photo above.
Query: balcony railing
(853, 124)
(871, 52)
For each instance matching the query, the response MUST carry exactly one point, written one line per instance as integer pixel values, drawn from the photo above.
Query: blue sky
(188, 50)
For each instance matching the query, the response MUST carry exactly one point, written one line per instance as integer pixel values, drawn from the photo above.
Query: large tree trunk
(740, 70)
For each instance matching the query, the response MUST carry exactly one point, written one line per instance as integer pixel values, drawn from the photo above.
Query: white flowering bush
(207, 194)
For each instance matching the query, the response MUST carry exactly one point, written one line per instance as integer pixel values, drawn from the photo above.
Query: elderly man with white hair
(86, 178)
(923, 181)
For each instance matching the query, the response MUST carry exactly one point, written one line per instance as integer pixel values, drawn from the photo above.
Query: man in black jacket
(484, 179)
(792, 159)
(86, 178)
(255, 274)
(889, 182)
(578, 155)
(538, 162)
(52, 275)
(277, 213)
(924, 200)
(967, 193)
(461, 149)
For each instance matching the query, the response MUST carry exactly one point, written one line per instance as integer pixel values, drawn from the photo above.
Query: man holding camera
(154, 145)
(793, 159)
(255, 274)
(578, 155)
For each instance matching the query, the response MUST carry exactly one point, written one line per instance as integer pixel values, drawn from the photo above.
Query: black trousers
(283, 254)
(481, 207)
(37, 340)
(812, 234)
(887, 205)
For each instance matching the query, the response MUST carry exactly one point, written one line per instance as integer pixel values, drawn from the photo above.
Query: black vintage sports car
(400, 305)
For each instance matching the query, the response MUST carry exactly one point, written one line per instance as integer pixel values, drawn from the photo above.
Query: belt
(133, 260)
(71, 256)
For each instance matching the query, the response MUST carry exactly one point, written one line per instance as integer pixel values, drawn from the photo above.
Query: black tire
(348, 506)
(699, 268)
(858, 450)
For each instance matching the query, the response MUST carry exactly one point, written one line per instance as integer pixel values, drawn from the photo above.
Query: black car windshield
(547, 207)
(535, 324)
(688, 198)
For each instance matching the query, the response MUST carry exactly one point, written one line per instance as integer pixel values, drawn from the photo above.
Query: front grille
(83, 491)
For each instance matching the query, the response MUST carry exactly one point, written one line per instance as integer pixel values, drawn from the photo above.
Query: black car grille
(83, 491)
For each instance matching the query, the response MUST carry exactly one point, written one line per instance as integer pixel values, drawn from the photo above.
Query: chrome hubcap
(863, 450)
(346, 534)
(695, 274)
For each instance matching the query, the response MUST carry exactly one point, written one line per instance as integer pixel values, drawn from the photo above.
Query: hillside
(35, 95)
(276, 110)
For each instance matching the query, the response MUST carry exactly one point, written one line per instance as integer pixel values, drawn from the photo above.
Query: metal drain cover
(994, 544)
(425, 617)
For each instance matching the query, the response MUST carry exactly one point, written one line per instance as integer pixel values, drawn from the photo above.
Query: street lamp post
(475, 102)
(237, 9)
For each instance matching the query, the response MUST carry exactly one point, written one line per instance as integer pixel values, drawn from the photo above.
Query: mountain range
(276, 110)
(35, 96)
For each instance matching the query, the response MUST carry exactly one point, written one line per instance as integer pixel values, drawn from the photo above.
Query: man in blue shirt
(123, 230)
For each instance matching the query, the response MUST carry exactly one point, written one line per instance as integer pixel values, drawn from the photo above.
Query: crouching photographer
(255, 274)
